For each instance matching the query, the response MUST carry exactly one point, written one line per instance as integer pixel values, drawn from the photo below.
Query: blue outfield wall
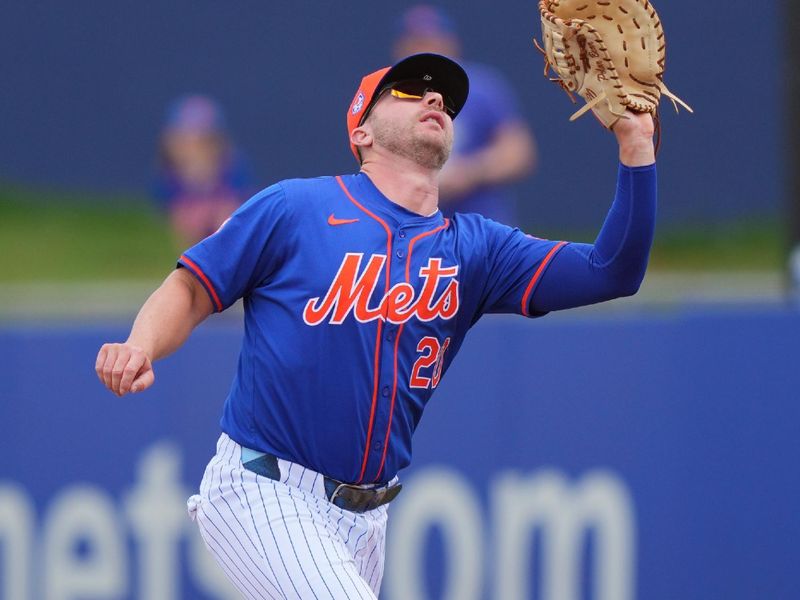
(594, 455)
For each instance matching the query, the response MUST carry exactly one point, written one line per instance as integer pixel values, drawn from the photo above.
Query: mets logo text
(351, 292)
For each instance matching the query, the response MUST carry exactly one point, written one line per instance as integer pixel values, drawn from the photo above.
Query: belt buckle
(336, 491)
(354, 498)
(356, 489)
(363, 498)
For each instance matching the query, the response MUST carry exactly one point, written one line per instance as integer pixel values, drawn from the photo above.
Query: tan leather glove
(610, 52)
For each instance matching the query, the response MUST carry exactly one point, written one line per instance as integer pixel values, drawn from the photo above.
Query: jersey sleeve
(514, 265)
(245, 251)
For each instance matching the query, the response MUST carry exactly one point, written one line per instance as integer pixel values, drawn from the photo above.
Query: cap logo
(358, 104)
(427, 77)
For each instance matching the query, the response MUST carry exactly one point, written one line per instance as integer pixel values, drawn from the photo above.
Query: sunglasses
(415, 89)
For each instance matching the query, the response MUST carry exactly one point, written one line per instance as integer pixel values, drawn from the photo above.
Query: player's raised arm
(635, 139)
(163, 324)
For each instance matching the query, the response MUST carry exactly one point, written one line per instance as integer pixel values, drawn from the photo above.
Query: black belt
(354, 498)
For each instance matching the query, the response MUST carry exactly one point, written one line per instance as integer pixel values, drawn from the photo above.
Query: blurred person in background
(493, 146)
(202, 177)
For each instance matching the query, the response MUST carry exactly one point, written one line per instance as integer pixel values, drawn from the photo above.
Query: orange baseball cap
(443, 73)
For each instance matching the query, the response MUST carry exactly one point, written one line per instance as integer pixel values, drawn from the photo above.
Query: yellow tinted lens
(399, 94)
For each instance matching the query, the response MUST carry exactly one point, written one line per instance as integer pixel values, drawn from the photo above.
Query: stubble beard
(425, 150)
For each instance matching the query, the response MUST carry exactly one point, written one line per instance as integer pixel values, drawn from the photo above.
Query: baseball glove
(610, 52)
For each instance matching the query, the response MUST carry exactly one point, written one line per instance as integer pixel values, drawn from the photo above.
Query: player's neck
(413, 187)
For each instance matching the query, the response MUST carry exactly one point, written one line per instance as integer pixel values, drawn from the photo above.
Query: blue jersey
(354, 309)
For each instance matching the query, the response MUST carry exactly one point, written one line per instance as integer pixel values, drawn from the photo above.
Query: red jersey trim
(388, 435)
(536, 276)
(198, 272)
(414, 241)
(376, 375)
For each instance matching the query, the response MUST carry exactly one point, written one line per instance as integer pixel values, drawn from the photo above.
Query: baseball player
(357, 295)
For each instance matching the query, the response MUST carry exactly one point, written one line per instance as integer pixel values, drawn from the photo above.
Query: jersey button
(390, 336)
(385, 391)
(402, 233)
(400, 253)
(377, 445)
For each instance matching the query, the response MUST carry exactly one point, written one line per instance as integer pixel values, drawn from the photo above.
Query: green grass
(54, 236)
(46, 235)
(754, 244)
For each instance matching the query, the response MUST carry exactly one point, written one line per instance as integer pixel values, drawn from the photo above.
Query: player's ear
(361, 137)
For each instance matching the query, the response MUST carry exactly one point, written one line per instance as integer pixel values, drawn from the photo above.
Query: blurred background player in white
(202, 176)
(493, 145)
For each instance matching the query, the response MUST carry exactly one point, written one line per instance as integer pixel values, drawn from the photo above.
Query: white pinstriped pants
(284, 539)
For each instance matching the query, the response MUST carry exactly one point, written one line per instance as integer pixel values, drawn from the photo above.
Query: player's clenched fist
(124, 368)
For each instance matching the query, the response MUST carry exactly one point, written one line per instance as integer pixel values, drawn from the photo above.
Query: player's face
(415, 128)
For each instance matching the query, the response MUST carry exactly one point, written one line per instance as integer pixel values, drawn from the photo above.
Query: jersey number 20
(432, 355)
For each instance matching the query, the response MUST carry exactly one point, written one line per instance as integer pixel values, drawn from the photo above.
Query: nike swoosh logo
(334, 221)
